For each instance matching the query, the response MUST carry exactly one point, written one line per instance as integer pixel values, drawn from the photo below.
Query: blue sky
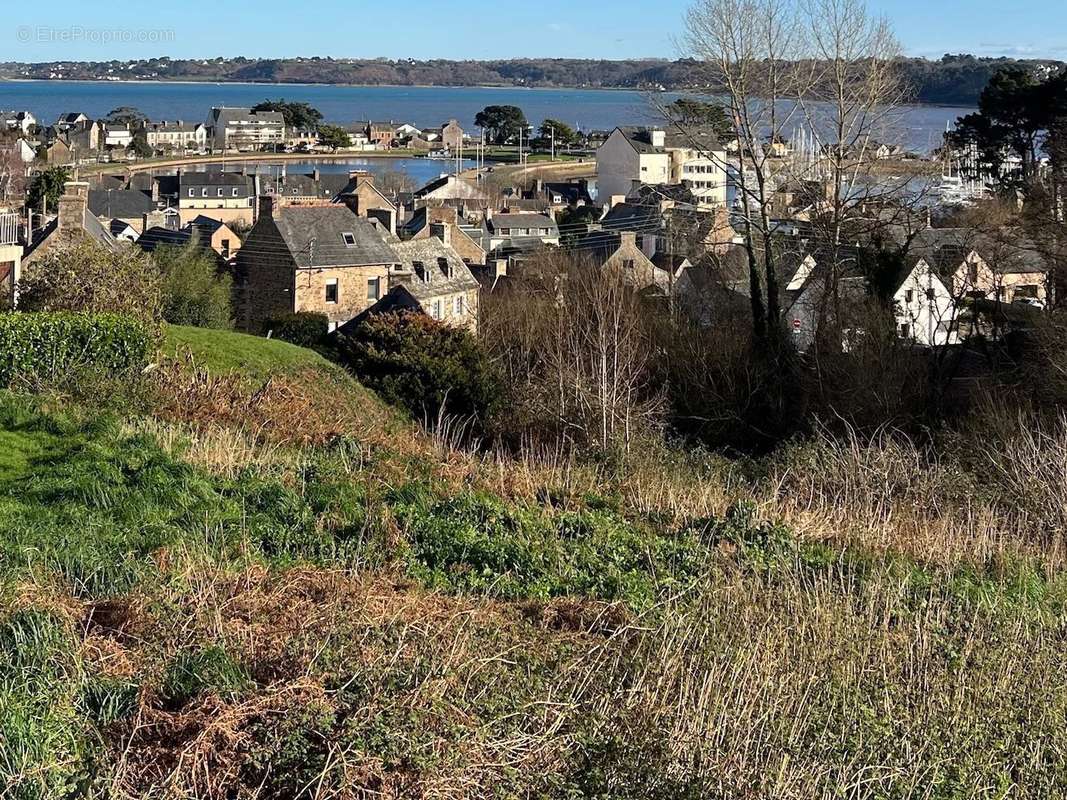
(77, 30)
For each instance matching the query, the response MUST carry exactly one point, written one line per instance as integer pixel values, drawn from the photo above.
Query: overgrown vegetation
(271, 585)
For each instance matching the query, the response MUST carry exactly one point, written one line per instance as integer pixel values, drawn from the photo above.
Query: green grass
(226, 350)
(18, 449)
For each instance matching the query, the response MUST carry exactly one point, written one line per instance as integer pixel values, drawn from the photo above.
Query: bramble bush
(431, 369)
(42, 347)
(88, 277)
(303, 328)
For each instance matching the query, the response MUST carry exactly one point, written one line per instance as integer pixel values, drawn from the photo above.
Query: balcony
(9, 228)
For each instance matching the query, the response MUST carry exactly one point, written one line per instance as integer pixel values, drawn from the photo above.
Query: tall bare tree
(753, 49)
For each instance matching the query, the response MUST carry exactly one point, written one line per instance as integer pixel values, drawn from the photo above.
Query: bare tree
(752, 49)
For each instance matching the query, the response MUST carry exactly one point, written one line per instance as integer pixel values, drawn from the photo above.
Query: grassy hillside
(270, 585)
(221, 351)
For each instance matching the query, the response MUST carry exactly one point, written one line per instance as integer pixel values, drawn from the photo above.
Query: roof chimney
(657, 138)
(443, 231)
(267, 205)
(315, 174)
(72, 205)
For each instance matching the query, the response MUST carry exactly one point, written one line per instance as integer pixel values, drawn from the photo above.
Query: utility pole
(553, 129)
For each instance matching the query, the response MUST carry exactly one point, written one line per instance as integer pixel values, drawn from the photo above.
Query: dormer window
(349, 239)
(421, 271)
(446, 268)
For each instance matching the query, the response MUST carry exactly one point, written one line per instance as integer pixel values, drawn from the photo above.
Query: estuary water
(920, 127)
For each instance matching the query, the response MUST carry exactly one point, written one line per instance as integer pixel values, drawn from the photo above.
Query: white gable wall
(924, 308)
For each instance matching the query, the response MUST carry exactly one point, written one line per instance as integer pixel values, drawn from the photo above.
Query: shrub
(424, 366)
(304, 328)
(87, 277)
(48, 347)
(195, 291)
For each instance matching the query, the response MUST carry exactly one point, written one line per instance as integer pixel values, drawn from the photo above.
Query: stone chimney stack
(267, 205)
(443, 231)
(72, 205)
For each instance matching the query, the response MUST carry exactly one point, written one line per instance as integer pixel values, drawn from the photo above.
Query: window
(203, 192)
(458, 306)
(349, 239)
(628, 263)
(435, 309)
(192, 192)
(235, 191)
(909, 295)
(374, 289)
(972, 273)
(331, 290)
(930, 294)
(905, 330)
(225, 248)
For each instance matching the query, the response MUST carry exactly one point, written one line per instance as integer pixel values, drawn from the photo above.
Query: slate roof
(121, 203)
(1008, 253)
(500, 221)
(158, 237)
(693, 138)
(433, 255)
(207, 225)
(633, 217)
(117, 227)
(326, 186)
(93, 227)
(572, 193)
(313, 235)
(215, 179)
(598, 244)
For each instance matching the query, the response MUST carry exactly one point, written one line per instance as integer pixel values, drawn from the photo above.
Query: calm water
(920, 127)
(420, 170)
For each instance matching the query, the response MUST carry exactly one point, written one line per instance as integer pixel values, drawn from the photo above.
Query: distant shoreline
(186, 82)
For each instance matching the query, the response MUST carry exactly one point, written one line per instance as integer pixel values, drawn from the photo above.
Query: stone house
(421, 226)
(452, 135)
(218, 236)
(618, 251)
(432, 278)
(322, 259)
(382, 134)
(73, 223)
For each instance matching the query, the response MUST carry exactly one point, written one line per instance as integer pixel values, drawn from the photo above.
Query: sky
(76, 30)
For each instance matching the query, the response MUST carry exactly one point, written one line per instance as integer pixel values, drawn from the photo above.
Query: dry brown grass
(304, 632)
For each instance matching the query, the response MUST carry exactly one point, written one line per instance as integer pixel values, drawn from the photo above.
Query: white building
(116, 134)
(245, 129)
(22, 121)
(176, 136)
(634, 156)
(924, 308)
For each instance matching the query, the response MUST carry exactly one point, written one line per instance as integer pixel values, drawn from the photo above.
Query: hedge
(304, 328)
(43, 347)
